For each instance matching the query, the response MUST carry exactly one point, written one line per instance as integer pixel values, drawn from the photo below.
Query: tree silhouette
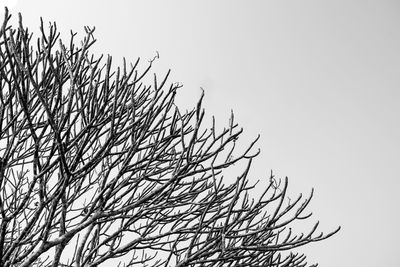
(98, 167)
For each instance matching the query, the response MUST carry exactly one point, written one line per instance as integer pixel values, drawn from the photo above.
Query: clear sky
(319, 80)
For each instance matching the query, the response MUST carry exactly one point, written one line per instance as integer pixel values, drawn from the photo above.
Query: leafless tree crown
(98, 167)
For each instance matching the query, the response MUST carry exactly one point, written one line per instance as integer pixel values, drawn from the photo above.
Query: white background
(319, 80)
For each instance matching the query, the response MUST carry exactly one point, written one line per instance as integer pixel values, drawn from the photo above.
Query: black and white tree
(98, 165)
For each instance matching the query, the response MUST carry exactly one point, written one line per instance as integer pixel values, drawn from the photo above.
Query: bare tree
(98, 167)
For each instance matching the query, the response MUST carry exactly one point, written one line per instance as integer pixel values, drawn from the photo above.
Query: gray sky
(319, 80)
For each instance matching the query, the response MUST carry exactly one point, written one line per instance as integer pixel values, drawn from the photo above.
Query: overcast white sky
(319, 80)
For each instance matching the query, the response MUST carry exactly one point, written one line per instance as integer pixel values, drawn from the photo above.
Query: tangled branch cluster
(97, 166)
